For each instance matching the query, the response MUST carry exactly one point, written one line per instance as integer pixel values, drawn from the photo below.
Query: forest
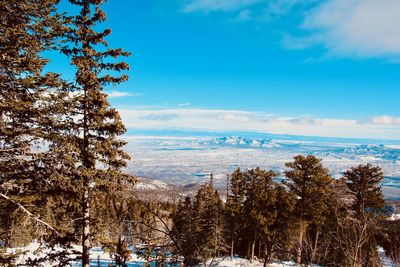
(62, 179)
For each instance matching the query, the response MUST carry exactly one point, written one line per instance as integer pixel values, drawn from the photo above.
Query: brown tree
(88, 143)
(311, 183)
(27, 28)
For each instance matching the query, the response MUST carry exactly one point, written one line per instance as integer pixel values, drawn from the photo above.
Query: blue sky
(305, 67)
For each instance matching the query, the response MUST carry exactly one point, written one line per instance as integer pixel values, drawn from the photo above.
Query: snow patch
(149, 184)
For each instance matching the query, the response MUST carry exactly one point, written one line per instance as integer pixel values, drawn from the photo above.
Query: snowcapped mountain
(244, 142)
(378, 151)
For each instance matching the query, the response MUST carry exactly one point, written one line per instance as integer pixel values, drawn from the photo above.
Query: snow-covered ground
(98, 256)
(240, 262)
(103, 259)
(386, 261)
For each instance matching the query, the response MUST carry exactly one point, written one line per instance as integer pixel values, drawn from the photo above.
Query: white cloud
(385, 120)
(305, 120)
(236, 120)
(217, 5)
(115, 94)
(363, 28)
(160, 117)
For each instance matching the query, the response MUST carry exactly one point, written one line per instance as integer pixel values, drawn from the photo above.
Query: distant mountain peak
(376, 150)
(364, 149)
(245, 142)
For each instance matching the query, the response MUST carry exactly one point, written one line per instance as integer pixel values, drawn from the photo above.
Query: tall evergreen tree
(279, 229)
(197, 226)
(363, 183)
(208, 211)
(335, 247)
(259, 206)
(184, 232)
(234, 208)
(311, 183)
(88, 143)
(27, 28)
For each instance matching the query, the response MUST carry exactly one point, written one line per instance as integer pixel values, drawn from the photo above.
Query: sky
(299, 67)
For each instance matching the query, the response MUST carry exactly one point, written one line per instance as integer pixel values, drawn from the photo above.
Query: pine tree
(259, 205)
(88, 145)
(27, 28)
(197, 226)
(363, 182)
(234, 211)
(336, 247)
(208, 212)
(311, 183)
(279, 229)
(184, 232)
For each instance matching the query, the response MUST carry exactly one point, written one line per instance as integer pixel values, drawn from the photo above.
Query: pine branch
(30, 213)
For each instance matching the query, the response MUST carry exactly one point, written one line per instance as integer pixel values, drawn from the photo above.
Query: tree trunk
(266, 255)
(85, 227)
(253, 245)
(85, 160)
(300, 243)
(232, 245)
(269, 248)
(216, 243)
(265, 261)
(314, 251)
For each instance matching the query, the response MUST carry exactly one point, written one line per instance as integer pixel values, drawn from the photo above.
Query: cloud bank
(385, 120)
(381, 127)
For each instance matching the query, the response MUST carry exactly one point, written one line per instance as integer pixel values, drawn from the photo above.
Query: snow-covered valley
(190, 160)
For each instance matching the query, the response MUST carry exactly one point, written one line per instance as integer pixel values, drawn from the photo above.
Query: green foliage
(257, 210)
(184, 232)
(87, 139)
(311, 183)
(234, 208)
(208, 212)
(198, 226)
(363, 183)
(70, 124)
(27, 28)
